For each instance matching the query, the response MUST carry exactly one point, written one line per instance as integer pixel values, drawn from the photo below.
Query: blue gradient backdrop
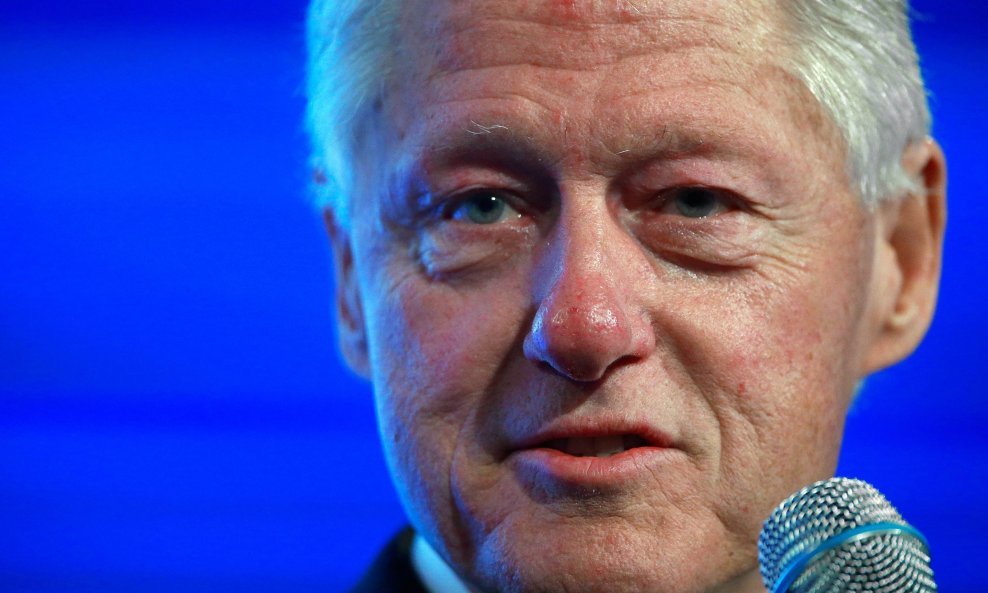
(173, 415)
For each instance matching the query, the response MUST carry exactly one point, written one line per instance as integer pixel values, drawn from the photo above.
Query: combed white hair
(855, 56)
(858, 59)
(351, 56)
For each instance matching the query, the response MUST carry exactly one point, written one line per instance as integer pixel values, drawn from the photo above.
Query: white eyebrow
(482, 129)
(632, 5)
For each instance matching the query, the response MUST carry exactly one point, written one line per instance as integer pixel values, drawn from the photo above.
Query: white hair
(855, 56)
(858, 59)
(351, 56)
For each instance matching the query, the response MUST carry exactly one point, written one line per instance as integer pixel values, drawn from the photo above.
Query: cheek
(435, 350)
(789, 351)
(440, 344)
(796, 345)
(797, 323)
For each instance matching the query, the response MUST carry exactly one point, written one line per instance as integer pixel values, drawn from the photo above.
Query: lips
(603, 446)
(603, 457)
(595, 437)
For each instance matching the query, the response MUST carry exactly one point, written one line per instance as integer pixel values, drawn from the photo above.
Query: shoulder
(392, 570)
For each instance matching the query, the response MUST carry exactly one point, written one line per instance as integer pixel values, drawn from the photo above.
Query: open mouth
(603, 458)
(603, 446)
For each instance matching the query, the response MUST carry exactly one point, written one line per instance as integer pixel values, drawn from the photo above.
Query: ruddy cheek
(422, 334)
(444, 340)
(753, 339)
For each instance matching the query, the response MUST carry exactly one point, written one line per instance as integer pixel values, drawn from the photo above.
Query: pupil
(485, 209)
(487, 203)
(696, 203)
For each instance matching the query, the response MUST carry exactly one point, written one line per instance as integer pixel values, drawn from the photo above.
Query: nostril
(578, 363)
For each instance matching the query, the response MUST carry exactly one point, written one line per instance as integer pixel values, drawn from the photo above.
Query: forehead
(618, 75)
(446, 36)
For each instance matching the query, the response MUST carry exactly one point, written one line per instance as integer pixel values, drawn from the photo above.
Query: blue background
(173, 415)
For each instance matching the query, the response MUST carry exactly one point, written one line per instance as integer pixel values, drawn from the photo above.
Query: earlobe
(909, 252)
(351, 330)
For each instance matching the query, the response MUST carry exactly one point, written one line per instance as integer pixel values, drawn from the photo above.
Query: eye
(695, 202)
(484, 207)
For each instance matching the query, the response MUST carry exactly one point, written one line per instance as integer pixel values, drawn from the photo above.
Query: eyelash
(447, 209)
(726, 201)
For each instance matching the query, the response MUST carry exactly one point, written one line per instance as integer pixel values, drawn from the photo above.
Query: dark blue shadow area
(173, 414)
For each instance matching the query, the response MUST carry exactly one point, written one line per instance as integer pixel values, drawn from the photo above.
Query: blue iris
(696, 202)
(481, 208)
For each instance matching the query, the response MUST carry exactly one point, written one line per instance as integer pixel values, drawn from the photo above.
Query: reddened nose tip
(583, 341)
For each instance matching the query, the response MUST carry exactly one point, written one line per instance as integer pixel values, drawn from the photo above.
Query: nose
(588, 320)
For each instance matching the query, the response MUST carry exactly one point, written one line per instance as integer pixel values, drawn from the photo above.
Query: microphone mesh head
(883, 563)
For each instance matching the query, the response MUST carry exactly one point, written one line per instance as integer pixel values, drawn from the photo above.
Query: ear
(351, 331)
(908, 257)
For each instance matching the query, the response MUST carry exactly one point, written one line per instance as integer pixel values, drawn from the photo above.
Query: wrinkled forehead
(584, 74)
(449, 35)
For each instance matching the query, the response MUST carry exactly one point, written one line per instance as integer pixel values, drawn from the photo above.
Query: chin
(569, 558)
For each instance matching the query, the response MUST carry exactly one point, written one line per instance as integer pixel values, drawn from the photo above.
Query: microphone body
(841, 535)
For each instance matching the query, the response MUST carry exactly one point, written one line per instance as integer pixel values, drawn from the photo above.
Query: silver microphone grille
(842, 535)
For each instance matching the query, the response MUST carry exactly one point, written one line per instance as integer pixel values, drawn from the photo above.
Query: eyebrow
(505, 145)
(494, 144)
(670, 142)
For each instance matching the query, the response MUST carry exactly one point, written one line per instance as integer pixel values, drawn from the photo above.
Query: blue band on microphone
(799, 563)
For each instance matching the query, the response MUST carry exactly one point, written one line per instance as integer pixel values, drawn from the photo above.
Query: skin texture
(592, 304)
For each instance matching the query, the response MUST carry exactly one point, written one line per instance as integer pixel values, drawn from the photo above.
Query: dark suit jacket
(392, 571)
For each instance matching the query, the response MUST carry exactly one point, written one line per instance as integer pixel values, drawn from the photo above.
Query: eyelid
(727, 199)
(445, 208)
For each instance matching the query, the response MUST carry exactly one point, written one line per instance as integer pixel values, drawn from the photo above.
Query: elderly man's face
(611, 287)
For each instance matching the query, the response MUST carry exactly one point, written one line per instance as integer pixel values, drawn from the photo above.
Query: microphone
(841, 535)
